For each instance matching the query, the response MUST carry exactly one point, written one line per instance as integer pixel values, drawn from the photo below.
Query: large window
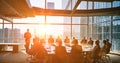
(97, 27)
(116, 35)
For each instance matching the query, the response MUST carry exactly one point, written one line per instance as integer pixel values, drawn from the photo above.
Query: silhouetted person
(51, 40)
(90, 42)
(41, 54)
(96, 51)
(58, 40)
(74, 40)
(108, 46)
(60, 53)
(36, 40)
(27, 36)
(104, 45)
(76, 52)
(42, 40)
(35, 46)
(84, 42)
(67, 40)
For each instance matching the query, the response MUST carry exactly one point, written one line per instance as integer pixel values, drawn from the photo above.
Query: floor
(9, 57)
(21, 57)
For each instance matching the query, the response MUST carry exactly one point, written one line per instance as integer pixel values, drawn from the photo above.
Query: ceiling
(22, 8)
(15, 8)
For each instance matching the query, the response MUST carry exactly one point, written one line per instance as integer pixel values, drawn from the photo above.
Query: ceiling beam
(95, 12)
(75, 7)
(6, 18)
(14, 10)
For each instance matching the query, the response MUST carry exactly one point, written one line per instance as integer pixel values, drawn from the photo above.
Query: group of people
(98, 51)
(76, 54)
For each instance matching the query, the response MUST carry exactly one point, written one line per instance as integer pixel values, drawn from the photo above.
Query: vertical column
(3, 32)
(71, 22)
(45, 22)
(92, 19)
(12, 33)
(87, 22)
(71, 26)
(111, 26)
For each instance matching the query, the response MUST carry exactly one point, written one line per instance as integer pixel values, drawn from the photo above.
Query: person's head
(107, 40)
(90, 38)
(27, 30)
(97, 42)
(58, 36)
(66, 36)
(104, 41)
(51, 36)
(60, 43)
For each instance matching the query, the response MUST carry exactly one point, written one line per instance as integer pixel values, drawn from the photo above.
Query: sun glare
(42, 29)
(48, 30)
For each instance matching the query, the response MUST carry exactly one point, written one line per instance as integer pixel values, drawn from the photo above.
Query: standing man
(27, 36)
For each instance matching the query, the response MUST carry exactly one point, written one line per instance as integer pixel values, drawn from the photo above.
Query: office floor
(21, 57)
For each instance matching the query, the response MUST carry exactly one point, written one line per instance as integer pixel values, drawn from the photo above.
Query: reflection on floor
(21, 57)
(9, 57)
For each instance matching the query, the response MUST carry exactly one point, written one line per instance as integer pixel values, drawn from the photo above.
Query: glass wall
(116, 33)
(106, 27)
(97, 27)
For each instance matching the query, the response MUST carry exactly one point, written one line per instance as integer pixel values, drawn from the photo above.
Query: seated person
(67, 41)
(58, 40)
(41, 54)
(108, 46)
(96, 51)
(74, 40)
(83, 42)
(35, 45)
(103, 49)
(33, 50)
(60, 53)
(51, 40)
(90, 42)
(76, 52)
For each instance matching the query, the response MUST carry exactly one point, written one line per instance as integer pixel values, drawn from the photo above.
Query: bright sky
(41, 3)
(41, 29)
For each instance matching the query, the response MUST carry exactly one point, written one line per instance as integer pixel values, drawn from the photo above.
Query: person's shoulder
(25, 33)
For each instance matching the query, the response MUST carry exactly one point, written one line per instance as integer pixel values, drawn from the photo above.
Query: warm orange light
(49, 30)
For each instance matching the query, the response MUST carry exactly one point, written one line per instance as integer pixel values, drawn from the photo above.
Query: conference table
(15, 47)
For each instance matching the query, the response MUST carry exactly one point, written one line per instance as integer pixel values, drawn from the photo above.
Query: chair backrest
(108, 47)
